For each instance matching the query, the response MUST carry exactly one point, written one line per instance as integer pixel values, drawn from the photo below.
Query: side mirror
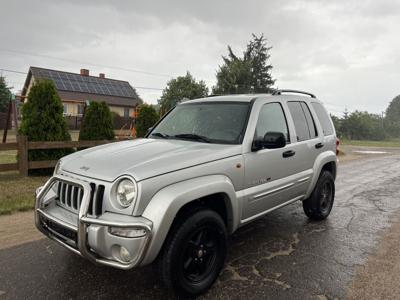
(271, 140)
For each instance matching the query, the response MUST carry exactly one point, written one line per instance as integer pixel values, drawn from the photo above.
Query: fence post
(23, 155)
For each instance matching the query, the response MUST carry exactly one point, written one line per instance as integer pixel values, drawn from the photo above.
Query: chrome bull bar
(83, 249)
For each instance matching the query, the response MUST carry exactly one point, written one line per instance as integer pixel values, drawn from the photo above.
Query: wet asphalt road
(281, 256)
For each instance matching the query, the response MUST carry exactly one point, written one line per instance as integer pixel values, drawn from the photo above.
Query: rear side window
(323, 118)
(310, 121)
(300, 121)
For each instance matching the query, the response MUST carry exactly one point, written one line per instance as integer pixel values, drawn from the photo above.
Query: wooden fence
(22, 146)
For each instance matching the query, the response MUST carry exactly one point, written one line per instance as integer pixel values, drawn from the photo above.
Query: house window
(81, 108)
(65, 108)
(126, 112)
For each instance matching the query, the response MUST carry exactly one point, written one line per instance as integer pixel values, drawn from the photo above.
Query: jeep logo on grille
(84, 168)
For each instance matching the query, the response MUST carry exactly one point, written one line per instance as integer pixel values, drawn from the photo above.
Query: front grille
(70, 197)
(60, 230)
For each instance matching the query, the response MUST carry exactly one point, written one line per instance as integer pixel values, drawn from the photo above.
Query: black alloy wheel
(193, 254)
(319, 205)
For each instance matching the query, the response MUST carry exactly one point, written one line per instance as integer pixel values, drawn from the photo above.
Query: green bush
(147, 117)
(97, 123)
(42, 120)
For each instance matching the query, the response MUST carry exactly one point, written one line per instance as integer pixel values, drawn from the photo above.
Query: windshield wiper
(161, 135)
(191, 136)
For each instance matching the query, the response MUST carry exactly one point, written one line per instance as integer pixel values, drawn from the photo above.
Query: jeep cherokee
(208, 167)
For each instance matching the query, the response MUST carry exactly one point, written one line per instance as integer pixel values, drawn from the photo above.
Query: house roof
(73, 86)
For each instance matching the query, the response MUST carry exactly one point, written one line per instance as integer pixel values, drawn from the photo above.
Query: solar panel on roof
(77, 83)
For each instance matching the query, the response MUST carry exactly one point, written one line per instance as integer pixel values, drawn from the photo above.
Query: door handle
(288, 153)
(319, 145)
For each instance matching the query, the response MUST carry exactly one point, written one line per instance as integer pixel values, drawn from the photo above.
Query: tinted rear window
(323, 118)
(300, 121)
(310, 121)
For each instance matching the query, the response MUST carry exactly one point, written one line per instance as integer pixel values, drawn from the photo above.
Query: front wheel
(319, 205)
(194, 254)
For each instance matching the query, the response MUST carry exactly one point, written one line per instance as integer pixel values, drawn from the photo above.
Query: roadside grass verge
(18, 193)
(385, 143)
(8, 157)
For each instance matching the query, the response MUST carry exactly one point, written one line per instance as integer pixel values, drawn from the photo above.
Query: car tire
(319, 205)
(193, 254)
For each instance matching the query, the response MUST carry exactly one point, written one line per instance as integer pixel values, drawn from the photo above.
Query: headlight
(126, 192)
(57, 168)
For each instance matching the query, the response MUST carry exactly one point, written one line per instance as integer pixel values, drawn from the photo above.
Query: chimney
(84, 72)
(102, 75)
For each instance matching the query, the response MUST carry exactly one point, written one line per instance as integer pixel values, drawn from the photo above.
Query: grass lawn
(8, 157)
(18, 193)
(385, 143)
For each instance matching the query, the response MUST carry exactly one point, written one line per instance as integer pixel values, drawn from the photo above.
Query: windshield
(212, 122)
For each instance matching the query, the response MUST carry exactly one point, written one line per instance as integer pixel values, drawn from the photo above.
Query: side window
(81, 108)
(271, 118)
(126, 112)
(300, 121)
(323, 118)
(310, 121)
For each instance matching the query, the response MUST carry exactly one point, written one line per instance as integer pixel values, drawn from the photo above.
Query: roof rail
(279, 92)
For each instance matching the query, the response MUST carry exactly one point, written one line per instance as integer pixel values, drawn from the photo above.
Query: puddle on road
(370, 152)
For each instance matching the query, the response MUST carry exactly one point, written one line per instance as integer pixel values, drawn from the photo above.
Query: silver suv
(205, 169)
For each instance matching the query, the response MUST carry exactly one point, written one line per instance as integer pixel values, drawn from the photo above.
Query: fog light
(127, 232)
(124, 254)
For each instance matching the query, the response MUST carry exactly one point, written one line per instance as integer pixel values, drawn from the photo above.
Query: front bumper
(90, 236)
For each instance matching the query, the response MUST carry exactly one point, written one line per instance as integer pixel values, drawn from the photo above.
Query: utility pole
(12, 109)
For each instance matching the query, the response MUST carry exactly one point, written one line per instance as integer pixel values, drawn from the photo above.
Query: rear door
(307, 140)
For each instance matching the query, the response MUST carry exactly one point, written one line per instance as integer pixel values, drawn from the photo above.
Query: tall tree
(257, 53)
(248, 74)
(234, 76)
(392, 119)
(5, 94)
(180, 88)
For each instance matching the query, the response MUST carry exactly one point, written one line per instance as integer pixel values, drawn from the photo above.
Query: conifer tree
(97, 123)
(42, 120)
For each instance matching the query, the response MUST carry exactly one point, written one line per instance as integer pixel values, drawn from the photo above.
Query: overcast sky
(346, 52)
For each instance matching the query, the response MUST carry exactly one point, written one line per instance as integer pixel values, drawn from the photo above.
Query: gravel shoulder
(380, 277)
(17, 229)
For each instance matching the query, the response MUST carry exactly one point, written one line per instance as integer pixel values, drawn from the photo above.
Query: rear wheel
(319, 205)
(194, 254)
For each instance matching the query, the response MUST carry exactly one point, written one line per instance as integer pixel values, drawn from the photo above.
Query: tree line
(362, 125)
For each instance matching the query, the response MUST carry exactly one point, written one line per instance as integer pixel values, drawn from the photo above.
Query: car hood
(143, 158)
